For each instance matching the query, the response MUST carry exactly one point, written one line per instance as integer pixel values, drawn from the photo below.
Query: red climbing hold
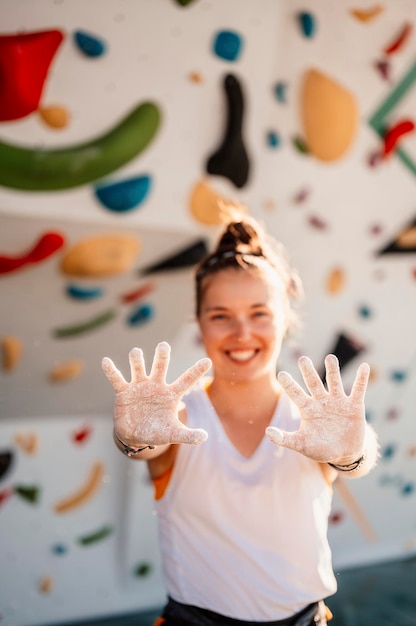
(394, 134)
(24, 63)
(47, 245)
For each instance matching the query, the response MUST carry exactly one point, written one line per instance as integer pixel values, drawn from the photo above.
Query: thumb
(282, 438)
(192, 436)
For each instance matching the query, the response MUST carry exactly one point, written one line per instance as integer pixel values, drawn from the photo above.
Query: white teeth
(242, 355)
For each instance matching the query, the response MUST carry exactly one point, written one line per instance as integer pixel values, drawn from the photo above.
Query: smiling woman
(243, 517)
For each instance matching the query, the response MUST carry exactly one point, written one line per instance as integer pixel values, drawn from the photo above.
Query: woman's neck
(240, 400)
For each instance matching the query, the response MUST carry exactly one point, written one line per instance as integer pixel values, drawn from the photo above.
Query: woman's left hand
(332, 428)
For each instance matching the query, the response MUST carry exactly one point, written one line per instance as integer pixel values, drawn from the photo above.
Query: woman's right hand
(146, 408)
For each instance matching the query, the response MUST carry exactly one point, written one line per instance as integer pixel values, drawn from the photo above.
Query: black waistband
(187, 615)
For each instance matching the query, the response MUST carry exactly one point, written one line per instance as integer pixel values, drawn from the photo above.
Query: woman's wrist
(366, 461)
(130, 451)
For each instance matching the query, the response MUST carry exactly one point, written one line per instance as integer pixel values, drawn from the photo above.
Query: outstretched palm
(146, 409)
(332, 424)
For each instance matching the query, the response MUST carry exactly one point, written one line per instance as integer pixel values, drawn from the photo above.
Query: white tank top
(245, 537)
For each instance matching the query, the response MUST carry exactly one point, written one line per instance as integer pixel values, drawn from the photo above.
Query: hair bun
(240, 237)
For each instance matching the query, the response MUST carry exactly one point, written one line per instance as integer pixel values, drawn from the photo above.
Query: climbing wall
(127, 134)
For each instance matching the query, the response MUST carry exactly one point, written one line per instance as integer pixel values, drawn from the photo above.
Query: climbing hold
(28, 442)
(5, 494)
(142, 569)
(300, 144)
(59, 549)
(24, 63)
(30, 493)
(273, 139)
(6, 463)
(307, 23)
(47, 245)
(46, 584)
(400, 40)
(90, 45)
(12, 349)
(280, 91)
(138, 294)
(97, 535)
(384, 68)
(141, 315)
(53, 169)
(84, 293)
(184, 3)
(84, 327)
(336, 281)
(404, 242)
(55, 116)
(346, 348)
(231, 159)
(209, 207)
(317, 222)
(82, 435)
(398, 376)
(101, 255)
(367, 15)
(329, 116)
(124, 195)
(187, 257)
(85, 493)
(227, 45)
(68, 370)
(301, 195)
(365, 311)
(395, 134)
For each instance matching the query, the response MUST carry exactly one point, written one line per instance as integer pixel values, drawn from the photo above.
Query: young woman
(243, 517)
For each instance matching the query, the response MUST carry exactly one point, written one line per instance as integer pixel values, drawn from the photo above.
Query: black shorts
(177, 614)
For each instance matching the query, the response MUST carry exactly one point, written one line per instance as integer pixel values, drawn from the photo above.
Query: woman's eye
(218, 317)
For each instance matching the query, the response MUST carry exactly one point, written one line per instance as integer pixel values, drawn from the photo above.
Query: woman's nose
(242, 329)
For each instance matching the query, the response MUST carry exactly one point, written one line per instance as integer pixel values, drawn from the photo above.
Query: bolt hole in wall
(128, 132)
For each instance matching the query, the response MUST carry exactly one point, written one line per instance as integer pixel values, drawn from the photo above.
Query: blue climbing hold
(84, 293)
(227, 45)
(90, 45)
(124, 195)
(141, 315)
(273, 139)
(307, 23)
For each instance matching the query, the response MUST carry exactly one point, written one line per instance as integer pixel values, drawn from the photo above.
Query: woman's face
(243, 322)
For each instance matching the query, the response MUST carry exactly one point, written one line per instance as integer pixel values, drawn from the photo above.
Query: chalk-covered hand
(146, 409)
(332, 427)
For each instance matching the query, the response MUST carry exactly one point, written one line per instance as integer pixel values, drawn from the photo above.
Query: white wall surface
(153, 46)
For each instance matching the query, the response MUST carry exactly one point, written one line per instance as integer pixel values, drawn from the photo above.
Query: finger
(284, 439)
(188, 379)
(293, 390)
(192, 436)
(160, 362)
(359, 385)
(113, 374)
(311, 377)
(137, 366)
(333, 375)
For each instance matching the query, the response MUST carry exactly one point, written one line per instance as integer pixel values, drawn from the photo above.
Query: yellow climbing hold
(55, 116)
(102, 255)
(366, 15)
(210, 208)
(68, 370)
(336, 280)
(12, 351)
(329, 115)
(85, 492)
(28, 442)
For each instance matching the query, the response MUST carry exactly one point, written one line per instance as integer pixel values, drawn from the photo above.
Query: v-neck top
(245, 536)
